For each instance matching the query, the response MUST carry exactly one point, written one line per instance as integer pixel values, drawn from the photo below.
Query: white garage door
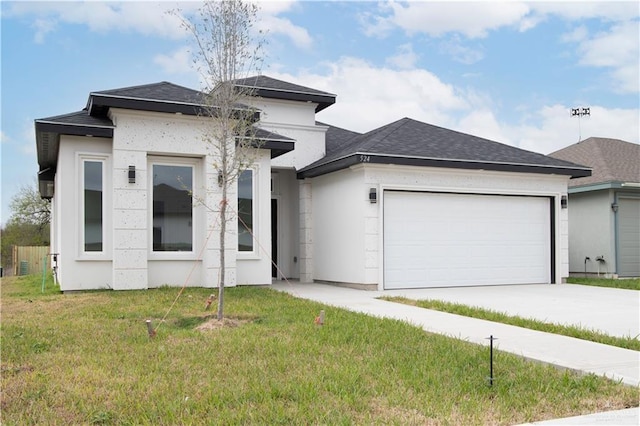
(629, 237)
(446, 240)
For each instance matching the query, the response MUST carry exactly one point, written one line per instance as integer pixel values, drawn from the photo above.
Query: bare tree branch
(226, 49)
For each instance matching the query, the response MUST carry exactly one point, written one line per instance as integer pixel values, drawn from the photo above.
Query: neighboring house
(604, 208)
(405, 205)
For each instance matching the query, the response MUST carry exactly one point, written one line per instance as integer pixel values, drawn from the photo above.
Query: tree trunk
(223, 231)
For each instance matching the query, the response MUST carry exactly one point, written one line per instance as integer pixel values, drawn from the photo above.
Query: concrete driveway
(615, 312)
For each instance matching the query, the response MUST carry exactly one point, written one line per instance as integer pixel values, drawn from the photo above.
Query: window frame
(255, 252)
(81, 159)
(196, 222)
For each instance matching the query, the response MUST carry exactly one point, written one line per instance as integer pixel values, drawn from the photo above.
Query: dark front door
(274, 237)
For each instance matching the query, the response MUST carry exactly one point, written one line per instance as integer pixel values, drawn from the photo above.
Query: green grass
(86, 358)
(490, 315)
(626, 283)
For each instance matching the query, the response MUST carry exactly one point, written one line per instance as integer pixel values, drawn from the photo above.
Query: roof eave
(322, 101)
(278, 148)
(99, 104)
(48, 138)
(599, 186)
(368, 158)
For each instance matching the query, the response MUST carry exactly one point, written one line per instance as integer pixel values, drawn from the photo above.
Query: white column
(130, 216)
(306, 232)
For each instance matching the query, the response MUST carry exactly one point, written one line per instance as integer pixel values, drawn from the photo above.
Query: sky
(508, 71)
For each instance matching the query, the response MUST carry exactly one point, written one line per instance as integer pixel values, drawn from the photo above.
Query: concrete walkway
(565, 352)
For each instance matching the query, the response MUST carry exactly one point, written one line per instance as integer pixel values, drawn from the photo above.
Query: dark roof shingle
(411, 139)
(78, 118)
(271, 88)
(336, 137)
(162, 91)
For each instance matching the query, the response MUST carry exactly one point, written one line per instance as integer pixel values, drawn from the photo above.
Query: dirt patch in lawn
(216, 324)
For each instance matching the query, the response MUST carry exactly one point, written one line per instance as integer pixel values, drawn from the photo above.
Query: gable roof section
(271, 88)
(613, 161)
(158, 97)
(79, 123)
(411, 142)
(93, 120)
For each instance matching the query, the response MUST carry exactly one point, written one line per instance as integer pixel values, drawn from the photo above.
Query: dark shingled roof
(612, 160)
(157, 97)
(336, 137)
(162, 91)
(268, 87)
(78, 118)
(412, 142)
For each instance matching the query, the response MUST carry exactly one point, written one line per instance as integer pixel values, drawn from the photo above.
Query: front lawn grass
(631, 342)
(86, 358)
(626, 283)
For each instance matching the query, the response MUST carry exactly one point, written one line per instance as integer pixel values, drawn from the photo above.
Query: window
(92, 205)
(245, 211)
(172, 208)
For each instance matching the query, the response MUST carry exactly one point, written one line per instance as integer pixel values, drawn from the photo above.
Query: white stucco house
(406, 205)
(604, 213)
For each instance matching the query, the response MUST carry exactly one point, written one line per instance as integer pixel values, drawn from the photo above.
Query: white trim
(61, 123)
(134, 98)
(105, 160)
(255, 253)
(381, 188)
(197, 222)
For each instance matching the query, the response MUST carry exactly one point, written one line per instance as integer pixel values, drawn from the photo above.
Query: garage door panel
(437, 239)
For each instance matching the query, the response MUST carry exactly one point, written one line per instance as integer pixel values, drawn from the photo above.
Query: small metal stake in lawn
(491, 339)
(150, 329)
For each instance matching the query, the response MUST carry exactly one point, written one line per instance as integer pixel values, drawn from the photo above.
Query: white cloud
(461, 53)
(145, 17)
(618, 49)
(4, 138)
(43, 27)
(472, 19)
(369, 97)
(580, 10)
(148, 18)
(577, 35)
(483, 123)
(475, 19)
(405, 58)
(178, 62)
(554, 128)
(274, 25)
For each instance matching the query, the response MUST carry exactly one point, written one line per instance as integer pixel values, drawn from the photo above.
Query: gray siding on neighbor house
(591, 232)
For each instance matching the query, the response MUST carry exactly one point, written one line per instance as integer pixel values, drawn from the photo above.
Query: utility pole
(579, 112)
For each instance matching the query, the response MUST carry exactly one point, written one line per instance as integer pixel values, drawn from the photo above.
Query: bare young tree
(227, 48)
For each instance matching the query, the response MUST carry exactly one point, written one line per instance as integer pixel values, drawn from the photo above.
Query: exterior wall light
(132, 174)
(563, 202)
(373, 196)
(614, 207)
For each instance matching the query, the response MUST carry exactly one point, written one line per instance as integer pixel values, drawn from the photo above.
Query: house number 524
(365, 158)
